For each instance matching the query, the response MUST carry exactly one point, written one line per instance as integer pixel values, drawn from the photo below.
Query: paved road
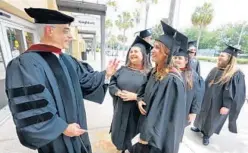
(99, 119)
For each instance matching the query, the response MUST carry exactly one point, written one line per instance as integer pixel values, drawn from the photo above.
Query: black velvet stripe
(25, 91)
(30, 105)
(21, 123)
(62, 82)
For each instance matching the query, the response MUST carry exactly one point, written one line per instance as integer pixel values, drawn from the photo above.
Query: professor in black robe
(46, 88)
(224, 96)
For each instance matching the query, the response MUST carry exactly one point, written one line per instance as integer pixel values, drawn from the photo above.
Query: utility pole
(241, 33)
(172, 12)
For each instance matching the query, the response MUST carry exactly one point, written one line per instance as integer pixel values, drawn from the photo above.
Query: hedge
(214, 59)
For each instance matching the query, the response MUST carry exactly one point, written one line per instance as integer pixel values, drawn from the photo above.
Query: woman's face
(135, 55)
(180, 61)
(159, 53)
(223, 59)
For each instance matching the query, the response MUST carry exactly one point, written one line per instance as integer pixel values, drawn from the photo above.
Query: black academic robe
(46, 94)
(230, 95)
(126, 113)
(194, 96)
(87, 66)
(163, 125)
(195, 65)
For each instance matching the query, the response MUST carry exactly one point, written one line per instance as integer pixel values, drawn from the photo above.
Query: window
(29, 39)
(15, 39)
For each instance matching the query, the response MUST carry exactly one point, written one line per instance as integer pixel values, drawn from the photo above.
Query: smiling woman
(123, 88)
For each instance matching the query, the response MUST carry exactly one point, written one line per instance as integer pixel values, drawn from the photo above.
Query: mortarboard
(181, 41)
(145, 33)
(47, 16)
(139, 41)
(232, 50)
(169, 39)
(192, 44)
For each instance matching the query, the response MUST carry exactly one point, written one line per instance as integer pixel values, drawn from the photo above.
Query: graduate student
(224, 96)
(46, 88)
(162, 100)
(194, 63)
(194, 84)
(123, 87)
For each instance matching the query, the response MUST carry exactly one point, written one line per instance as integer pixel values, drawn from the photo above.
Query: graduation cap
(47, 16)
(192, 44)
(145, 33)
(170, 39)
(232, 50)
(142, 43)
(182, 42)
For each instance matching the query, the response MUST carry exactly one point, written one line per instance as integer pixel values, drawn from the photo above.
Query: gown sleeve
(32, 105)
(198, 68)
(199, 89)
(236, 92)
(141, 91)
(92, 83)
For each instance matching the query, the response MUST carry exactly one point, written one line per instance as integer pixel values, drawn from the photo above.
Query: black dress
(126, 113)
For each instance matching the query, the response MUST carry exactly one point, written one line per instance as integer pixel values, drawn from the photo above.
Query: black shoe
(194, 129)
(205, 140)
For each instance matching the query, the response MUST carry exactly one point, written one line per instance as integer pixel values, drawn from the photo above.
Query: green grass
(214, 59)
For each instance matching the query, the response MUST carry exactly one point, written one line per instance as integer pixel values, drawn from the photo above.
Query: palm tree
(124, 22)
(136, 16)
(147, 3)
(202, 17)
(113, 4)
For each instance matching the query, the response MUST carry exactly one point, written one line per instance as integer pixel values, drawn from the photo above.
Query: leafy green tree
(202, 17)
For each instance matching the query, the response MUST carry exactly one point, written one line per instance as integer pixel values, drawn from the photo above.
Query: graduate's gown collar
(45, 48)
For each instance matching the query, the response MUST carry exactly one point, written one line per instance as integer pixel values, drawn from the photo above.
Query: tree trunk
(172, 12)
(199, 37)
(124, 42)
(147, 12)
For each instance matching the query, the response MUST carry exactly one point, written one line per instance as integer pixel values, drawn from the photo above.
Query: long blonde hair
(229, 71)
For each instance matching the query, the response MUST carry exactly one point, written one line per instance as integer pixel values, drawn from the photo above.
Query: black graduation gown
(195, 65)
(46, 94)
(164, 122)
(87, 67)
(194, 96)
(230, 95)
(126, 114)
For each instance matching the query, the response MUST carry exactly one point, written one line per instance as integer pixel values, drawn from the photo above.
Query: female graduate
(123, 88)
(194, 85)
(163, 103)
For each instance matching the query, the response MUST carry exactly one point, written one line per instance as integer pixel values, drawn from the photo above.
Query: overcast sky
(225, 11)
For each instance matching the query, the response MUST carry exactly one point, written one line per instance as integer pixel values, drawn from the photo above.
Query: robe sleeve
(87, 67)
(32, 105)
(198, 68)
(141, 91)
(229, 93)
(92, 83)
(238, 95)
(199, 89)
(113, 88)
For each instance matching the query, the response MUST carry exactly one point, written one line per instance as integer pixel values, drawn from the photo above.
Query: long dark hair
(188, 74)
(145, 62)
